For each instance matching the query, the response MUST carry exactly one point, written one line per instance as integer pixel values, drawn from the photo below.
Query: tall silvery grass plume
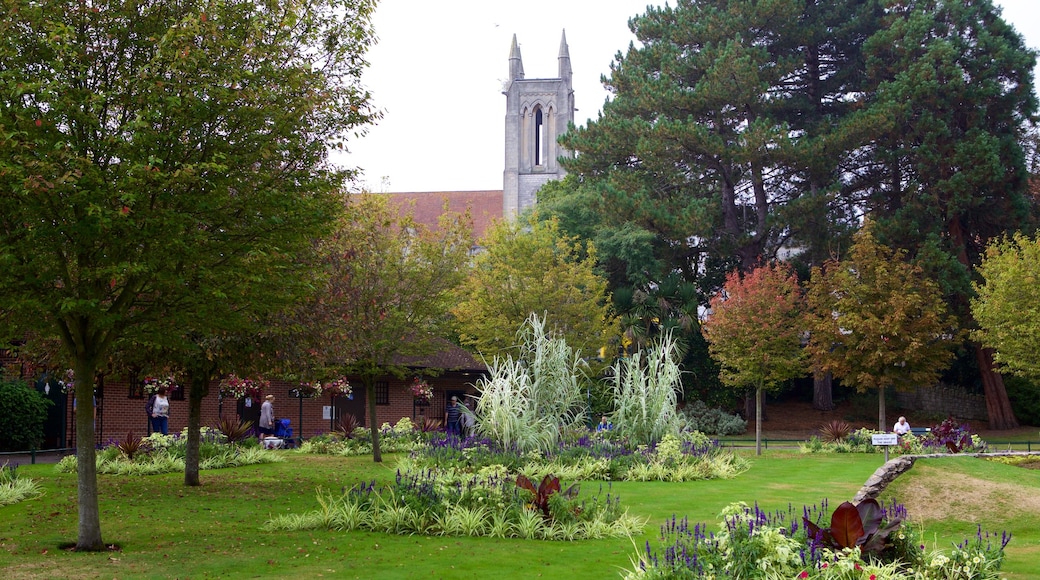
(527, 402)
(645, 387)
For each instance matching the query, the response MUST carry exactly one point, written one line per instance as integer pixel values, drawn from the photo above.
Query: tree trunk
(753, 407)
(998, 406)
(823, 391)
(198, 389)
(89, 538)
(370, 392)
(881, 410)
(758, 421)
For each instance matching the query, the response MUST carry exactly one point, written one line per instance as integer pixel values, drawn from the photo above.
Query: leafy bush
(400, 438)
(954, 437)
(713, 421)
(24, 411)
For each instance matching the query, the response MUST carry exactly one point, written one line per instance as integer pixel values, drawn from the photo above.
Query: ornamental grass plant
(645, 386)
(14, 489)
(526, 402)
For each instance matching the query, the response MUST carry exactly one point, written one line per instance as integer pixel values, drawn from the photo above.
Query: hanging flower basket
(421, 390)
(153, 384)
(234, 387)
(339, 388)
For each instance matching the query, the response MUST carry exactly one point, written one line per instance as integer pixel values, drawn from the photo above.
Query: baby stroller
(283, 431)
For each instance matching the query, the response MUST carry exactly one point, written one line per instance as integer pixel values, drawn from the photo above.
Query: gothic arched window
(538, 136)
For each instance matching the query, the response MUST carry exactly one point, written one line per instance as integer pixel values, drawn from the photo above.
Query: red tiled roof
(426, 207)
(450, 357)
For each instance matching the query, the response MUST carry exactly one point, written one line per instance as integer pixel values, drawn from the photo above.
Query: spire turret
(516, 64)
(565, 58)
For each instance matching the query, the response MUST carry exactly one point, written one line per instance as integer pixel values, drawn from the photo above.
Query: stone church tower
(537, 113)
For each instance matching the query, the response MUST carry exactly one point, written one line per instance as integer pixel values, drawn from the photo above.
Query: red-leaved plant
(544, 492)
(855, 525)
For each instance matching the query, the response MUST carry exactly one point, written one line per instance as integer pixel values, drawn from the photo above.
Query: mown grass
(165, 530)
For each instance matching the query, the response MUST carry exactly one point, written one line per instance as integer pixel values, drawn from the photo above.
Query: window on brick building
(382, 393)
(136, 387)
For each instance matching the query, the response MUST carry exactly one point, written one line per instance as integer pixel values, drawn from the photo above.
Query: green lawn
(165, 530)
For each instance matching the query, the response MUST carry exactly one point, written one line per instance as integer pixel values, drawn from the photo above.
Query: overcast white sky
(438, 69)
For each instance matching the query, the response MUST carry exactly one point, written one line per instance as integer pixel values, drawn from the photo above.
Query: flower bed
(160, 453)
(433, 503)
(588, 456)
(751, 543)
(946, 437)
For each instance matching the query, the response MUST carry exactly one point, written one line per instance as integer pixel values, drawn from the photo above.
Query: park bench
(918, 431)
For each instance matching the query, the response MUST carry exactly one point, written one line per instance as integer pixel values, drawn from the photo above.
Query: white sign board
(326, 412)
(885, 439)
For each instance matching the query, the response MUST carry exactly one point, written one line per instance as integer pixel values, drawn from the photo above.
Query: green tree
(1006, 304)
(877, 321)
(948, 174)
(755, 329)
(154, 154)
(388, 285)
(533, 268)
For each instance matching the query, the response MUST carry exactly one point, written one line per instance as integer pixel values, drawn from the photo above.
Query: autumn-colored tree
(877, 322)
(386, 293)
(530, 267)
(755, 329)
(1006, 305)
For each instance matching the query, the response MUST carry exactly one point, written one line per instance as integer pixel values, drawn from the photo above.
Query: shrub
(836, 430)
(713, 421)
(233, 430)
(24, 411)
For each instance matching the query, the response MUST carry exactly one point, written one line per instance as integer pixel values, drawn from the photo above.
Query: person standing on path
(267, 418)
(451, 416)
(161, 412)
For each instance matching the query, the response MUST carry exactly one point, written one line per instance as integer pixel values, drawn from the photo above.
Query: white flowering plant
(153, 384)
(234, 387)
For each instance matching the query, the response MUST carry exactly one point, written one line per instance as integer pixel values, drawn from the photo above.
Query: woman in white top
(161, 412)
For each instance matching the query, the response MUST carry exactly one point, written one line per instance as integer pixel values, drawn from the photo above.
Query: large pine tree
(948, 174)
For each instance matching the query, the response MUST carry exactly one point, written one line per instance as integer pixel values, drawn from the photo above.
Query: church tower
(537, 113)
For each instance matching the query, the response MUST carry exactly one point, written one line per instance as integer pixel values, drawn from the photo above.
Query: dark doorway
(54, 424)
(354, 404)
(249, 410)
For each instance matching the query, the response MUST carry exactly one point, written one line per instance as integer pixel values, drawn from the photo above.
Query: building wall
(119, 414)
(944, 400)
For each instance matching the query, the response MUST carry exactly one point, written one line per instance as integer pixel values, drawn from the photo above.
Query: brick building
(120, 401)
